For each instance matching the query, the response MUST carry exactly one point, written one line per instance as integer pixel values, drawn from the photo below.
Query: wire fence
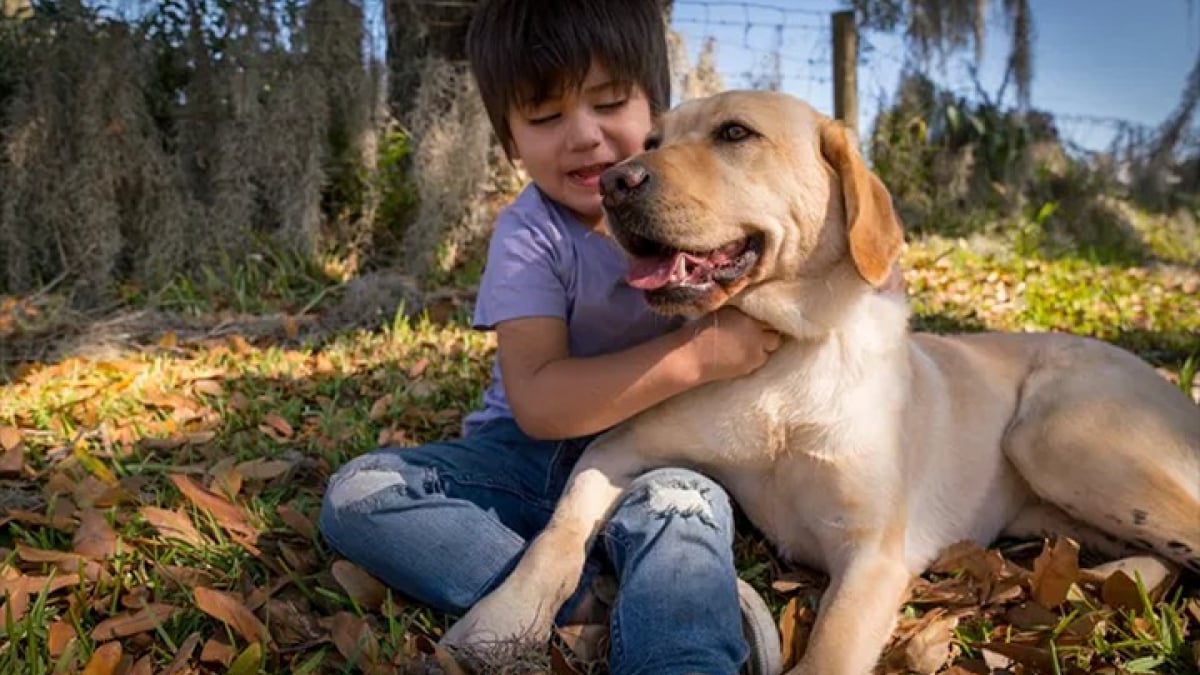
(788, 46)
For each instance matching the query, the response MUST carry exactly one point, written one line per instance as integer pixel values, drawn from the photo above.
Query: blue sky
(1094, 60)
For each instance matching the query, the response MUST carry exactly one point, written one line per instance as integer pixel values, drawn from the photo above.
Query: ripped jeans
(445, 523)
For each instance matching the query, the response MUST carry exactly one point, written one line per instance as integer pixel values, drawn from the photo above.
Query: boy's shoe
(758, 626)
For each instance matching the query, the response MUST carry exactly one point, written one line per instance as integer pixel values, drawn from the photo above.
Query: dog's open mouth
(657, 267)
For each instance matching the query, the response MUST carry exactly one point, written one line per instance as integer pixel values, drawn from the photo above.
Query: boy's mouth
(588, 176)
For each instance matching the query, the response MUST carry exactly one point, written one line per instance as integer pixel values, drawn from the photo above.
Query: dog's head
(742, 189)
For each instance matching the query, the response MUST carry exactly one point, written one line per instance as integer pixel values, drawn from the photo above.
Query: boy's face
(567, 141)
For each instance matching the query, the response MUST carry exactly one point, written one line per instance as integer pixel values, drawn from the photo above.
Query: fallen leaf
(1118, 580)
(10, 437)
(795, 625)
(104, 660)
(143, 666)
(929, 648)
(208, 388)
(228, 609)
(247, 663)
(183, 656)
(1008, 652)
(16, 603)
(95, 538)
(12, 461)
(263, 469)
(132, 623)
(169, 340)
(1054, 572)
(379, 408)
(173, 525)
(228, 515)
(418, 369)
(59, 635)
(1031, 616)
(297, 521)
(367, 591)
(279, 425)
(226, 478)
(217, 652)
(354, 640)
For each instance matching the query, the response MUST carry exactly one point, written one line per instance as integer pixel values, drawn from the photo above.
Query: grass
(260, 423)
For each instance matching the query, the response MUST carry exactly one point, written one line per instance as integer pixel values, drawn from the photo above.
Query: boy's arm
(553, 395)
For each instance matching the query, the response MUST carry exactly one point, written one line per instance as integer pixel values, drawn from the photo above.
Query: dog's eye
(732, 132)
(652, 142)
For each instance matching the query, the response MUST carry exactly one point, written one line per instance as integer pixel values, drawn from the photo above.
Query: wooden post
(845, 69)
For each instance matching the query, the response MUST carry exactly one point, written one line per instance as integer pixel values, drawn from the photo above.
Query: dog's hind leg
(1100, 435)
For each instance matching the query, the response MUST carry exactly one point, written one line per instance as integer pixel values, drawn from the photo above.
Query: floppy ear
(875, 234)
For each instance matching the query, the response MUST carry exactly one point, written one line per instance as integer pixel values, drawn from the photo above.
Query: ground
(159, 492)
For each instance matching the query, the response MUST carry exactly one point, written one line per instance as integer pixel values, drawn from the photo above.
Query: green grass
(107, 434)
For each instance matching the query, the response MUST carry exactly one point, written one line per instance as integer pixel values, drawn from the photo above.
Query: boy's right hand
(729, 343)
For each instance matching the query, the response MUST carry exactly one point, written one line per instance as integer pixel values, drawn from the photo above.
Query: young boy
(571, 88)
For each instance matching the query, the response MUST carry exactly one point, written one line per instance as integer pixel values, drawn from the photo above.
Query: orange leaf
(173, 525)
(228, 608)
(169, 340)
(216, 652)
(95, 538)
(208, 388)
(10, 437)
(60, 634)
(291, 328)
(132, 623)
(366, 590)
(104, 660)
(1054, 571)
(228, 515)
(795, 624)
(16, 603)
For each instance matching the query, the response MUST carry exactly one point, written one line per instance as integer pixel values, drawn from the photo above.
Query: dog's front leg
(856, 616)
(523, 607)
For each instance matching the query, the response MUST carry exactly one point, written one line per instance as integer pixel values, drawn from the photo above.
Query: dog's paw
(501, 622)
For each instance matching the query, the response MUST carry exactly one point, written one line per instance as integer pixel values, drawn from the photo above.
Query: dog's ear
(875, 234)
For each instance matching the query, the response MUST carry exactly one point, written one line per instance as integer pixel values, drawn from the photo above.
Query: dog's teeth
(680, 271)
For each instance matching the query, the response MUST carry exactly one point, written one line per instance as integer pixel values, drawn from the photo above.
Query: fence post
(845, 69)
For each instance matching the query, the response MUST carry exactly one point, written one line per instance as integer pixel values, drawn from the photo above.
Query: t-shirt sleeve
(521, 278)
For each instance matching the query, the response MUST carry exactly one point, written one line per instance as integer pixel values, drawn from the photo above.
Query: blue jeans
(445, 523)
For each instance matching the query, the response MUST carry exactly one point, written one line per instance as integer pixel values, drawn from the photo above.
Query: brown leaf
(226, 478)
(228, 515)
(379, 408)
(279, 425)
(1035, 657)
(367, 591)
(12, 461)
(1121, 592)
(208, 388)
(95, 538)
(104, 660)
(1031, 616)
(1054, 571)
(10, 437)
(354, 640)
(132, 623)
(143, 666)
(16, 603)
(297, 521)
(263, 469)
(444, 659)
(228, 609)
(186, 649)
(795, 625)
(1157, 577)
(173, 525)
(929, 649)
(59, 634)
(418, 369)
(217, 652)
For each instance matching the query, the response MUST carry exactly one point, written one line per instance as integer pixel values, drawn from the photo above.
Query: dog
(860, 448)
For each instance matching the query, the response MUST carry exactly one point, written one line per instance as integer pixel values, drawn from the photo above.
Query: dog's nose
(622, 182)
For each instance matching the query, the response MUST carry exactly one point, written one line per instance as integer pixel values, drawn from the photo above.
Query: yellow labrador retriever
(859, 448)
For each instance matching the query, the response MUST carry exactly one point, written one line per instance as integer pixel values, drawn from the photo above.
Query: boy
(571, 88)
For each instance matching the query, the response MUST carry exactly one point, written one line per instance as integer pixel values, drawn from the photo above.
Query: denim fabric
(446, 522)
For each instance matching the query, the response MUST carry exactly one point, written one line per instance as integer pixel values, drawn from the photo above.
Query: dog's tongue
(649, 274)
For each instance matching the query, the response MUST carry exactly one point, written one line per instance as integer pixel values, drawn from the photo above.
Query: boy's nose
(622, 182)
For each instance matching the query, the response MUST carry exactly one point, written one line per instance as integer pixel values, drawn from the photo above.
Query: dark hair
(523, 52)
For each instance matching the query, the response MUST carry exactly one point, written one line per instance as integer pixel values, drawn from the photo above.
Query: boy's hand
(729, 343)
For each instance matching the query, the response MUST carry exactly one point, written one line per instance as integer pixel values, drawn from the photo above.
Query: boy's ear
(875, 234)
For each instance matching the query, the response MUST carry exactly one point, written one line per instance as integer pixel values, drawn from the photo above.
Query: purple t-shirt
(543, 262)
